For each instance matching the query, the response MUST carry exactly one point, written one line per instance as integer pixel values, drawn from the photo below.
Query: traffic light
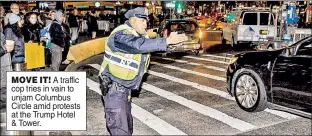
(230, 17)
(179, 5)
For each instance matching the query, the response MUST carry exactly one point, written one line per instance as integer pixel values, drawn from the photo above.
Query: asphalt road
(185, 94)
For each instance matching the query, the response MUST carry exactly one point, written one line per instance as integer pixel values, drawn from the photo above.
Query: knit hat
(14, 18)
(57, 16)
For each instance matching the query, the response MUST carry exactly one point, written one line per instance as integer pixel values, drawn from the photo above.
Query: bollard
(11, 133)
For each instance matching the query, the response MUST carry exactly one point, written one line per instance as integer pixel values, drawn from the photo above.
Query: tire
(164, 55)
(261, 101)
(233, 45)
(196, 52)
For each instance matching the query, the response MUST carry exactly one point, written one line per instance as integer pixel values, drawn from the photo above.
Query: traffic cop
(126, 60)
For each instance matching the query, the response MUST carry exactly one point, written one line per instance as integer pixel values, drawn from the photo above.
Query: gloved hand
(176, 38)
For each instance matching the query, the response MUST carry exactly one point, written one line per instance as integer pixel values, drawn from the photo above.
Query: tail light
(240, 21)
(200, 34)
(166, 32)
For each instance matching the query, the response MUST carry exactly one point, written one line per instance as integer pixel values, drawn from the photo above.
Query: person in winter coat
(58, 36)
(5, 65)
(67, 42)
(31, 29)
(13, 32)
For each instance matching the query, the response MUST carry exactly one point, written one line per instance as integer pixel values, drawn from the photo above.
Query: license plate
(263, 32)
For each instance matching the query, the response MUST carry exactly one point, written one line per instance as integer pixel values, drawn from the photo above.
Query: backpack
(46, 34)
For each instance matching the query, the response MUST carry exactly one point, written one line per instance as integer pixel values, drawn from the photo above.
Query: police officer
(126, 59)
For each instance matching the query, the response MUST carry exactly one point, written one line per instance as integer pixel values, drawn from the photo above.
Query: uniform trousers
(117, 106)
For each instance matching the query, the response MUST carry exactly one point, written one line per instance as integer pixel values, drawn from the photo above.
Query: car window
(264, 18)
(305, 49)
(250, 19)
(182, 26)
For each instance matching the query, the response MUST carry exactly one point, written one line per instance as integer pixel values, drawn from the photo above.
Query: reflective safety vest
(122, 65)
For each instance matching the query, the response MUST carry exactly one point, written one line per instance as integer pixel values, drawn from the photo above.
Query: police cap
(139, 12)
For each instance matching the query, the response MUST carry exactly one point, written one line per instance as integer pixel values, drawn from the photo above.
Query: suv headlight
(233, 60)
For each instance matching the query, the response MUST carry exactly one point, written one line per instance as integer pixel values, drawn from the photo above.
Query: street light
(147, 4)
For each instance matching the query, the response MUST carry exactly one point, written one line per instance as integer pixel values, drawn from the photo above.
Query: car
(251, 26)
(189, 27)
(278, 79)
(202, 21)
(220, 23)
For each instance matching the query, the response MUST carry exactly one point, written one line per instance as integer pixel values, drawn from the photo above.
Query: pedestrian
(67, 41)
(31, 29)
(5, 65)
(73, 21)
(126, 59)
(93, 23)
(14, 9)
(58, 36)
(13, 32)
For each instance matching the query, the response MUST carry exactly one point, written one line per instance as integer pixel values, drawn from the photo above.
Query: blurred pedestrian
(67, 41)
(31, 28)
(58, 36)
(93, 24)
(13, 32)
(73, 21)
(5, 65)
(14, 10)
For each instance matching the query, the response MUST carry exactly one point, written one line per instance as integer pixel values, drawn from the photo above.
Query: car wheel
(196, 52)
(249, 90)
(164, 55)
(233, 45)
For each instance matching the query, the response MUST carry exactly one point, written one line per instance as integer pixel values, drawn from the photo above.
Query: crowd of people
(55, 33)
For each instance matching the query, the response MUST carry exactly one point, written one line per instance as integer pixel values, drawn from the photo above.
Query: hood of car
(257, 57)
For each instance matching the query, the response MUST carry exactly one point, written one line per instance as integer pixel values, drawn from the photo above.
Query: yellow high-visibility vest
(122, 65)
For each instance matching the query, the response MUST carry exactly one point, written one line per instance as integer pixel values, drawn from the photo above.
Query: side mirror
(155, 30)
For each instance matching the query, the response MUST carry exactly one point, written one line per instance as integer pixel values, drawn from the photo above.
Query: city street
(186, 94)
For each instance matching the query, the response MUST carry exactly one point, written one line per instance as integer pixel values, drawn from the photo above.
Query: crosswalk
(187, 97)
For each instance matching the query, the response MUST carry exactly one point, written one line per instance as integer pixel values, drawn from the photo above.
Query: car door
(291, 78)
(266, 26)
(248, 28)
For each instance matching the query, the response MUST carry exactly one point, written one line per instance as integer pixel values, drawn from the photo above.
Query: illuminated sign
(97, 4)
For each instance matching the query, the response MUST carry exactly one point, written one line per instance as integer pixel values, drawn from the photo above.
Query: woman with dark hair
(13, 32)
(31, 29)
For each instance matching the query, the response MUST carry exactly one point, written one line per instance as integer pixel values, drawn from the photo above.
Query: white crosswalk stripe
(216, 56)
(190, 71)
(205, 59)
(159, 125)
(195, 64)
(205, 110)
